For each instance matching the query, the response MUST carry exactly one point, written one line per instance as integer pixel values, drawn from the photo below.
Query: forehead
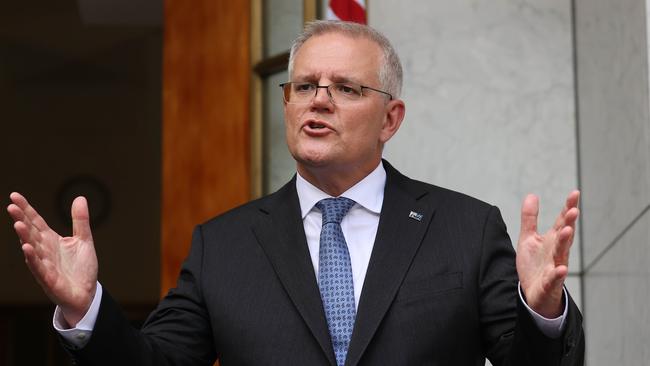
(338, 56)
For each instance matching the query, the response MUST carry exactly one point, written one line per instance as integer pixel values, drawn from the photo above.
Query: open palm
(65, 267)
(543, 259)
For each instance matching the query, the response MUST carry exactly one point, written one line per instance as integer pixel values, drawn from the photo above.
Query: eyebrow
(313, 78)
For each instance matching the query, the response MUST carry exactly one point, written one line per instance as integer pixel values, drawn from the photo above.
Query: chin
(312, 161)
(311, 155)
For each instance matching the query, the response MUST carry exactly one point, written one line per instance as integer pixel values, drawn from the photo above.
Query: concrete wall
(490, 101)
(614, 140)
(514, 96)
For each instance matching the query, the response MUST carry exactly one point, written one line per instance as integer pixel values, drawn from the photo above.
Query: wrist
(549, 306)
(73, 316)
(75, 311)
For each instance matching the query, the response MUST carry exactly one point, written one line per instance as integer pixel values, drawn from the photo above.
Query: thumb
(529, 212)
(81, 219)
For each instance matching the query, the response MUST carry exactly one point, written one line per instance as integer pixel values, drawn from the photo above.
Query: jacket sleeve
(501, 307)
(177, 333)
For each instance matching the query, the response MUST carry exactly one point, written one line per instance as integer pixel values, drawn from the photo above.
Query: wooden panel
(206, 134)
(257, 132)
(310, 10)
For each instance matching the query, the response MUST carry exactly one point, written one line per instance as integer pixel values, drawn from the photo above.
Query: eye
(348, 90)
(303, 87)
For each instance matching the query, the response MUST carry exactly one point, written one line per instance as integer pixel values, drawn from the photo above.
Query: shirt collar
(368, 192)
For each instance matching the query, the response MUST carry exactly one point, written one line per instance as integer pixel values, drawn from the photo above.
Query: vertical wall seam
(647, 87)
(576, 101)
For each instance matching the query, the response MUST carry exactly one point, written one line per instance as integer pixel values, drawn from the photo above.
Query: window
(275, 24)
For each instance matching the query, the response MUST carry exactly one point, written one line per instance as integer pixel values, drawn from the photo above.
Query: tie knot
(334, 209)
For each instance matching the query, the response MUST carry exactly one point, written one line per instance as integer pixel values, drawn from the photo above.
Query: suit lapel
(280, 232)
(401, 230)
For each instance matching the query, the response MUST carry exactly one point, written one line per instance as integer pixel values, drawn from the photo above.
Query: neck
(335, 181)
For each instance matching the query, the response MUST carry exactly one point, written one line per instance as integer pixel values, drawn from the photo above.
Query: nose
(321, 101)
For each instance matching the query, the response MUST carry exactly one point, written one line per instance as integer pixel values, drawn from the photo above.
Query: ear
(395, 110)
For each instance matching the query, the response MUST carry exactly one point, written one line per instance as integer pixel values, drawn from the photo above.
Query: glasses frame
(327, 88)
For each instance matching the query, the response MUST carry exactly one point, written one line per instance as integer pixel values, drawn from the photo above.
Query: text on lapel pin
(416, 216)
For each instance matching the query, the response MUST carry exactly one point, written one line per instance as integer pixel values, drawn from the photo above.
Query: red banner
(349, 10)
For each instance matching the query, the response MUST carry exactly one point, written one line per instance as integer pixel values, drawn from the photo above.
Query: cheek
(367, 126)
(288, 116)
(292, 118)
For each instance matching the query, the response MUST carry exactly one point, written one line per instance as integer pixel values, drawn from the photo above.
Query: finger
(30, 213)
(557, 278)
(529, 213)
(26, 234)
(563, 246)
(19, 216)
(571, 217)
(34, 233)
(554, 279)
(81, 219)
(15, 212)
(35, 265)
(571, 202)
(574, 198)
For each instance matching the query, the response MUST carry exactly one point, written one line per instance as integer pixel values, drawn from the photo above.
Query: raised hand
(543, 260)
(65, 267)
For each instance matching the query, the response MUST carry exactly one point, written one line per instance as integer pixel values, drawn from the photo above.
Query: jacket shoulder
(442, 197)
(246, 211)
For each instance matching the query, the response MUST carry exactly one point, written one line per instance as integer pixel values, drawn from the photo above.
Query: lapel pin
(415, 216)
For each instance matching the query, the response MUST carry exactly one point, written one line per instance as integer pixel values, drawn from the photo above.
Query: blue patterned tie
(335, 275)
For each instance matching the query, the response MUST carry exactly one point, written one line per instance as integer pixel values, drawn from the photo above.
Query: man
(350, 263)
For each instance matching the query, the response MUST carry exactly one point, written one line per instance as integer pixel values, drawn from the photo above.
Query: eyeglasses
(295, 92)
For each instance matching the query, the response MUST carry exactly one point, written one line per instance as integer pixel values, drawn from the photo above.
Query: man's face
(338, 137)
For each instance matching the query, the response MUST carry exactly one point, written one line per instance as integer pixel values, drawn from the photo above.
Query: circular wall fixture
(96, 193)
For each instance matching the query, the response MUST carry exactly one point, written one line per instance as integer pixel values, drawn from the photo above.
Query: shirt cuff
(79, 336)
(551, 328)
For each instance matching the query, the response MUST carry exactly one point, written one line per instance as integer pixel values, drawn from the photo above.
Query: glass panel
(279, 166)
(283, 20)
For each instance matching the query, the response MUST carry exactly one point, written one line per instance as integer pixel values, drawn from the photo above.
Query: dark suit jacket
(438, 291)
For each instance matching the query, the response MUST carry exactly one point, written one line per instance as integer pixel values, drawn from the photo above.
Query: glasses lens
(345, 92)
(295, 92)
(304, 92)
(286, 91)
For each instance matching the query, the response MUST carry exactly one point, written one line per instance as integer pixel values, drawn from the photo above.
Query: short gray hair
(390, 70)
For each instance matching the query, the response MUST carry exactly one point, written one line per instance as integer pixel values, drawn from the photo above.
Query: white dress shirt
(359, 228)
(359, 225)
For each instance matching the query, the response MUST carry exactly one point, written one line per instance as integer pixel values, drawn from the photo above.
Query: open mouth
(316, 125)
(317, 128)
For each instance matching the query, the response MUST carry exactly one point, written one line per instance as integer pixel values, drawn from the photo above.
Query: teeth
(316, 125)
